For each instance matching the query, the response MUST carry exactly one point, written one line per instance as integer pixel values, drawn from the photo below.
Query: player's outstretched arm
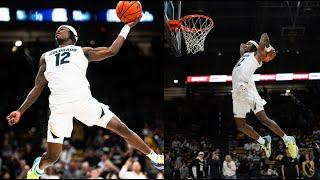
(264, 42)
(264, 48)
(40, 82)
(101, 53)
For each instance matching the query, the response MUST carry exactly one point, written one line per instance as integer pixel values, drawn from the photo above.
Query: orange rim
(184, 28)
(174, 24)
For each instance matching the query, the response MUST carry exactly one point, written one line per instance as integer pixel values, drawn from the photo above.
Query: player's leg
(246, 128)
(240, 109)
(272, 125)
(51, 156)
(91, 112)
(54, 150)
(117, 126)
(60, 125)
(265, 142)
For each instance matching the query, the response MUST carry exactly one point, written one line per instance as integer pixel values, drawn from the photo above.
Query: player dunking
(64, 68)
(246, 97)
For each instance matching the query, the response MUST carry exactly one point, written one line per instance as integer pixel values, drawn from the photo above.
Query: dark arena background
(130, 83)
(198, 103)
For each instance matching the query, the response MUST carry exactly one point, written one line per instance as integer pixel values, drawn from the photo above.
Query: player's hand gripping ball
(129, 11)
(270, 55)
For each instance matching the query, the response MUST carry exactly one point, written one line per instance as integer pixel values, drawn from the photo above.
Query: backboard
(172, 11)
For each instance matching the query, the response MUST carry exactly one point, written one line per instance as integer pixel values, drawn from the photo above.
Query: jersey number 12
(240, 61)
(63, 60)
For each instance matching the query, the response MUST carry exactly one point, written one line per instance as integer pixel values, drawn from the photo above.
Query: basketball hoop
(194, 29)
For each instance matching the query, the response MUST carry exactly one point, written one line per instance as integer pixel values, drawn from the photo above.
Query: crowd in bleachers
(198, 159)
(102, 155)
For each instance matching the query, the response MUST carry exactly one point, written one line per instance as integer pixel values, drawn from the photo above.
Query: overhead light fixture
(18, 43)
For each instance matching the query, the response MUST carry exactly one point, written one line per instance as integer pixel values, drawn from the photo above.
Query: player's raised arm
(33, 95)
(101, 53)
(264, 48)
(264, 42)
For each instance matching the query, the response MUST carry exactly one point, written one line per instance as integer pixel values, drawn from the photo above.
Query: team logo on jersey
(59, 50)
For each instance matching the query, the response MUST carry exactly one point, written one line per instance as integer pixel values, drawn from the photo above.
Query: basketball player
(246, 97)
(64, 68)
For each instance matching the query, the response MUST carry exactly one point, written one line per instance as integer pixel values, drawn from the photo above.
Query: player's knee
(240, 126)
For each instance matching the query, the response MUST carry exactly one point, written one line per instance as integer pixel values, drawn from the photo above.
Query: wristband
(268, 49)
(124, 31)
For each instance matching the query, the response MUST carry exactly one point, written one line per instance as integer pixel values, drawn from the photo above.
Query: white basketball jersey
(244, 69)
(66, 69)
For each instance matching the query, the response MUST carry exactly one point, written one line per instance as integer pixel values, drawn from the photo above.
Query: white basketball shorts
(246, 99)
(88, 111)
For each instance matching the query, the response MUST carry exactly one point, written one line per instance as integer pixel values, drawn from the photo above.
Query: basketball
(270, 56)
(128, 11)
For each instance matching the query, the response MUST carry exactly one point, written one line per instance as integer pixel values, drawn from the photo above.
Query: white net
(195, 29)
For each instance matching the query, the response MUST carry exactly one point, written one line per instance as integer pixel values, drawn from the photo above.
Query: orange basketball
(270, 56)
(128, 11)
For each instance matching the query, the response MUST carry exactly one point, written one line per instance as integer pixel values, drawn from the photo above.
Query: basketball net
(195, 28)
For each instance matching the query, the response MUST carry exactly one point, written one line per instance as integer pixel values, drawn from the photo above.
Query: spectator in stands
(214, 167)
(175, 143)
(198, 168)
(67, 152)
(106, 165)
(95, 174)
(72, 171)
(184, 171)
(24, 168)
(85, 168)
(247, 147)
(91, 157)
(316, 152)
(277, 165)
(256, 163)
(308, 167)
(6, 175)
(229, 168)
(177, 166)
(289, 167)
(135, 173)
(168, 164)
(268, 171)
(50, 174)
(160, 175)
(255, 146)
(243, 169)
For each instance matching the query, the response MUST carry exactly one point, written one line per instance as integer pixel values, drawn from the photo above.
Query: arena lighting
(59, 15)
(21, 15)
(18, 43)
(256, 77)
(4, 14)
(111, 16)
(43, 15)
(79, 15)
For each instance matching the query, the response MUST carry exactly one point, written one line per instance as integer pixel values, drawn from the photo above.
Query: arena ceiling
(292, 24)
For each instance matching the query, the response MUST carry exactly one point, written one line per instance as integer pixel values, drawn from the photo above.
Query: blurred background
(198, 103)
(130, 83)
